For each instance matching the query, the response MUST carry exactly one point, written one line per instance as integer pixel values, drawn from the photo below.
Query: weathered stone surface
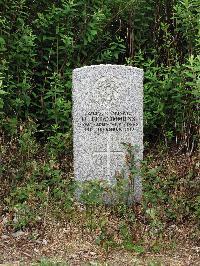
(107, 112)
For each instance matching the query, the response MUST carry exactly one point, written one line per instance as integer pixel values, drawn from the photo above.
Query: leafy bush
(42, 42)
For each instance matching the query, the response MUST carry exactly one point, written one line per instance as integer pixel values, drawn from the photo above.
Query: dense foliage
(43, 41)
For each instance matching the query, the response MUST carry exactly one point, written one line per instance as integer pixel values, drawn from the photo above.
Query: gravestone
(107, 112)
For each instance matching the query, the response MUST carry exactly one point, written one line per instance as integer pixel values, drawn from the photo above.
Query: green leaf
(2, 92)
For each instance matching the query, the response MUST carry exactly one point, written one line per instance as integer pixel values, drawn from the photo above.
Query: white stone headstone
(107, 112)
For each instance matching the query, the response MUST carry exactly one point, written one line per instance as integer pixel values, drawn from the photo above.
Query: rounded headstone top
(109, 66)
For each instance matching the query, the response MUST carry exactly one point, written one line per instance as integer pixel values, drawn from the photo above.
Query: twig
(45, 214)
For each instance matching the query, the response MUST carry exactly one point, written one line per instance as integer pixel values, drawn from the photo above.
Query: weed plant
(42, 190)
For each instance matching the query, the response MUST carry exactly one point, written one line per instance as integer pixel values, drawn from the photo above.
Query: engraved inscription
(113, 121)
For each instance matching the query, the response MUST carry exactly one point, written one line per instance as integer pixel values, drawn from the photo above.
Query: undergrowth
(37, 183)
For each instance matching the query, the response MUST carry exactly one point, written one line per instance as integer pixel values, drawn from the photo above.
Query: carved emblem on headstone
(106, 90)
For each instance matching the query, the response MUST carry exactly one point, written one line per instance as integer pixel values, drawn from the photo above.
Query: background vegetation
(41, 42)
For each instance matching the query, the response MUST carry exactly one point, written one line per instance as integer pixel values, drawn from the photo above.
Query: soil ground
(69, 245)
